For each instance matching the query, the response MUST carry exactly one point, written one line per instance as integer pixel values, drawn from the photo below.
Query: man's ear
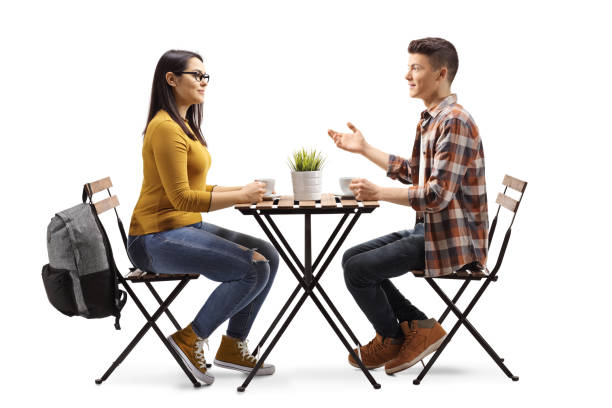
(171, 79)
(443, 73)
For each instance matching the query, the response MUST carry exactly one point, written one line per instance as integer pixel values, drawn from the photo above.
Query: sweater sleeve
(170, 150)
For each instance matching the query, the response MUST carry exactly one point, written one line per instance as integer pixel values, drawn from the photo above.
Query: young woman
(167, 234)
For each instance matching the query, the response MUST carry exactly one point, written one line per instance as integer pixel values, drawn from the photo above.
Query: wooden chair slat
(459, 275)
(514, 183)
(307, 204)
(134, 274)
(507, 202)
(141, 276)
(100, 185)
(328, 201)
(285, 202)
(106, 204)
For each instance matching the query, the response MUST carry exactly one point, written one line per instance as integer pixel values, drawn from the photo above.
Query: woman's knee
(259, 275)
(264, 252)
(257, 257)
(268, 251)
(264, 263)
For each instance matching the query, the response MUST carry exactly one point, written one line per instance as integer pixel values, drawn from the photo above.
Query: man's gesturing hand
(351, 142)
(365, 190)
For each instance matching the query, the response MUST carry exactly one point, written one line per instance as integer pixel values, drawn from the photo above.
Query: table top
(329, 204)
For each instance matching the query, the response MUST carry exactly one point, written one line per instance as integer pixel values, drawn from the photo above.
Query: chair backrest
(101, 206)
(510, 204)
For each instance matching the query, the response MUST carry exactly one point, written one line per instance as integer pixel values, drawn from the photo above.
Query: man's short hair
(441, 53)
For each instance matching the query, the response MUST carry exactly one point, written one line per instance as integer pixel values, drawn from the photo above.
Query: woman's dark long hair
(162, 96)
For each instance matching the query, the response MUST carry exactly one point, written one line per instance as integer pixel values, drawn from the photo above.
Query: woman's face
(188, 90)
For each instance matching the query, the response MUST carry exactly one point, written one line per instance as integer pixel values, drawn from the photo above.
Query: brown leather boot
(190, 348)
(377, 352)
(421, 338)
(234, 354)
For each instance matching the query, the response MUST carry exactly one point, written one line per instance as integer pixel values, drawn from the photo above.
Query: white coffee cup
(269, 184)
(344, 185)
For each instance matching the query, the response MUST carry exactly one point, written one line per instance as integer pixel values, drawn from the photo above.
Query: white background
(76, 80)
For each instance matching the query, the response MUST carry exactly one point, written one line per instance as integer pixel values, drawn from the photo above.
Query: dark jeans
(211, 251)
(367, 269)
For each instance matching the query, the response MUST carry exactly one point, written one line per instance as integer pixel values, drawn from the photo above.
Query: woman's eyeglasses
(197, 75)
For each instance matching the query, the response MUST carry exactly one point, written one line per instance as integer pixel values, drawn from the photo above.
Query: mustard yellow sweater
(174, 189)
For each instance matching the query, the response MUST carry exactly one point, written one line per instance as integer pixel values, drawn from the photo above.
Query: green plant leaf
(306, 160)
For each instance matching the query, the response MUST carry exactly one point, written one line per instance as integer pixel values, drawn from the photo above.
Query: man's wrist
(383, 194)
(365, 150)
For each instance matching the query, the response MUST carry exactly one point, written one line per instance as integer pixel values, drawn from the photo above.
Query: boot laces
(371, 348)
(408, 339)
(244, 351)
(199, 351)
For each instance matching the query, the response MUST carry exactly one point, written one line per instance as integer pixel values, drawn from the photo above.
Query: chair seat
(138, 275)
(475, 274)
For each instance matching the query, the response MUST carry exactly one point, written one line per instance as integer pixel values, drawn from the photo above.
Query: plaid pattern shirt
(453, 198)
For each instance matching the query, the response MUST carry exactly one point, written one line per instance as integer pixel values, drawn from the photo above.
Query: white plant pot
(306, 185)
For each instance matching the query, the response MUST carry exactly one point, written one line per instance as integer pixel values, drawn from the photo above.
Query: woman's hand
(351, 142)
(365, 190)
(253, 192)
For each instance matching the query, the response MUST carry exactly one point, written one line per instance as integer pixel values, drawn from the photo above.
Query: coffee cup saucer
(345, 196)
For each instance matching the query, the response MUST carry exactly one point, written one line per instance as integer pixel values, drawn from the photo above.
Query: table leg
(308, 292)
(307, 250)
(314, 267)
(281, 331)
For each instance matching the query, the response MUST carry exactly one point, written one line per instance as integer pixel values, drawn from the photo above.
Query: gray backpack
(81, 276)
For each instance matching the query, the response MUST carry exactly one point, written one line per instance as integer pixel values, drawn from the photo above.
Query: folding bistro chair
(138, 276)
(468, 274)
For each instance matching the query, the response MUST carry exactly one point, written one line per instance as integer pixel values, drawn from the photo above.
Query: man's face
(422, 78)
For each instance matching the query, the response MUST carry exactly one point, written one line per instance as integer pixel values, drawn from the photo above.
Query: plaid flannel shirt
(453, 200)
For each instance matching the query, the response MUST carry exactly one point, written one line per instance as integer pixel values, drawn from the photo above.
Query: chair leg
(463, 320)
(159, 300)
(455, 300)
(150, 324)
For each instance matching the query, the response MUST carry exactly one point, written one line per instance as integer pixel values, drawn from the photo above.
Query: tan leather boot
(421, 338)
(190, 349)
(377, 352)
(234, 354)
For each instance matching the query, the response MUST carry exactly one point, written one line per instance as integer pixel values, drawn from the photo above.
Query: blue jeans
(211, 251)
(367, 269)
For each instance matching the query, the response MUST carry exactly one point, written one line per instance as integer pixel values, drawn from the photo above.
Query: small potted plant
(306, 168)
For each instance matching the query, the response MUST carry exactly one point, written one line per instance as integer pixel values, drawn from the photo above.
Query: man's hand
(351, 142)
(365, 190)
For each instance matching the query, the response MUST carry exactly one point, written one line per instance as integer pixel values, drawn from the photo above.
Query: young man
(449, 194)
